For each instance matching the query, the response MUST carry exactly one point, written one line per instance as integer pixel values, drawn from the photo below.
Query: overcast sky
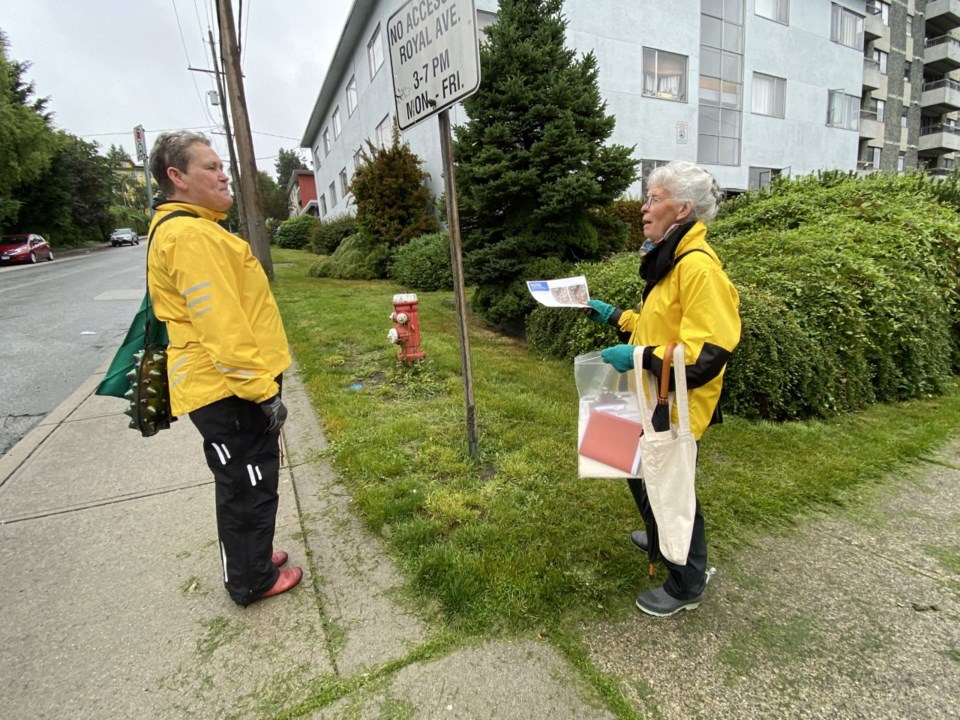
(110, 65)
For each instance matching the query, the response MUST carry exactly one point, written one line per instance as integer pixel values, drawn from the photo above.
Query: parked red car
(24, 247)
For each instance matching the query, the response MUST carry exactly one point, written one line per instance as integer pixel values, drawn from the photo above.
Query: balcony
(871, 74)
(873, 27)
(938, 139)
(940, 97)
(942, 54)
(870, 127)
(942, 16)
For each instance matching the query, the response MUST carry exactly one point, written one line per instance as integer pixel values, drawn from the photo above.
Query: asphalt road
(59, 322)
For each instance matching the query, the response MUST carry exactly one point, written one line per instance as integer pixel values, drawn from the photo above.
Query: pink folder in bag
(612, 440)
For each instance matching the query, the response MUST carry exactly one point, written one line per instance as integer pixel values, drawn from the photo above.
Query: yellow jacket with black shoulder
(226, 334)
(695, 303)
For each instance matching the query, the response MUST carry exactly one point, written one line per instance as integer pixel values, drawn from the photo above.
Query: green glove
(601, 310)
(620, 356)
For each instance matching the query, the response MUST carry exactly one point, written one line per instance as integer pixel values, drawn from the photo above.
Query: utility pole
(252, 204)
(234, 172)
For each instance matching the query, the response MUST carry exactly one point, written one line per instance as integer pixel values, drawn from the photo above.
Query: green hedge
(294, 233)
(423, 263)
(326, 236)
(359, 257)
(849, 295)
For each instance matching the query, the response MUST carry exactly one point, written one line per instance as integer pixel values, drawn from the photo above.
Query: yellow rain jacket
(226, 334)
(696, 304)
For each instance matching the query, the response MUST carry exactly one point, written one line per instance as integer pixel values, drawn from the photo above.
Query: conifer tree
(531, 162)
(392, 200)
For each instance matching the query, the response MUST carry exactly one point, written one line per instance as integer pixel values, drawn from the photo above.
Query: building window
(901, 161)
(843, 110)
(881, 8)
(383, 131)
(906, 71)
(846, 27)
(323, 205)
(881, 57)
(721, 82)
(336, 122)
(343, 182)
(351, 95)
(333, 195)
(769, 95)
(903, 118)
(880, 106)
(357, 158)
(760, 177)
(375, 53)
(326, 141)
(873, 158)
(316, 158)
(718, 138)
(778, 10)
(664, 75)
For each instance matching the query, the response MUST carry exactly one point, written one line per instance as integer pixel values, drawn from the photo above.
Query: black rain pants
(246, 469)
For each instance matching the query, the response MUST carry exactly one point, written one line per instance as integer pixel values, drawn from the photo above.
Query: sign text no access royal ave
(435, 56)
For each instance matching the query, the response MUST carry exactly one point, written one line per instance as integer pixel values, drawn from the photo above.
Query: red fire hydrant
(406, 328)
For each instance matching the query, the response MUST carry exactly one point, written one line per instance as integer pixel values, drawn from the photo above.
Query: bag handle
(663, 397)
(645, 383)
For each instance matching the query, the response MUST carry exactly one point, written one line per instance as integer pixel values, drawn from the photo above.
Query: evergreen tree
(287, 162)
(393, 204)
(532, 166)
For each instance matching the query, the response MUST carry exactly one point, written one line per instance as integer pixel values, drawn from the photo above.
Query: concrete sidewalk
(113, 605)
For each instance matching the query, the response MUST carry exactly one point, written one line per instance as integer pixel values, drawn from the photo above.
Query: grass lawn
(514, 540)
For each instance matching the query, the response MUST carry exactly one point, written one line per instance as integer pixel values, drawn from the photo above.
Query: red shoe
(279, 558)
(289, 578)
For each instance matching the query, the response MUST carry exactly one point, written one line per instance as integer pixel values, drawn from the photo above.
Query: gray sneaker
(656, 602)
(639, 538)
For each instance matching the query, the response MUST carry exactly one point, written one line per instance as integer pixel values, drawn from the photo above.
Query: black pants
(246, 469)
(684, 581)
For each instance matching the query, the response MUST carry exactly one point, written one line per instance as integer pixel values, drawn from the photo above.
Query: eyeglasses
(652, 200)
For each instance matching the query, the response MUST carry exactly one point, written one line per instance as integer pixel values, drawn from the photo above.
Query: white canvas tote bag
(669, 457)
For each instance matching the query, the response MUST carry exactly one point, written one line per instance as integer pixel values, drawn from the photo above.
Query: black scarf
(660, 261)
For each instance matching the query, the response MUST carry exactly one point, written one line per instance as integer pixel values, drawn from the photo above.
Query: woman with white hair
(688, 299)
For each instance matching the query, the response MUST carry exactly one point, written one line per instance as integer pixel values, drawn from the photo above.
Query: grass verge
(514, 540)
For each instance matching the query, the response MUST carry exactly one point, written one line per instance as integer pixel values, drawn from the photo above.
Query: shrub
(850, 292)
(359, 257)
(294, 233)
(424, 263)
(629, 212)
(393, 203)
(326, 236)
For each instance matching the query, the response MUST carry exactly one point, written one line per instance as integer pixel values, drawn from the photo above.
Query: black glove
(276, 413)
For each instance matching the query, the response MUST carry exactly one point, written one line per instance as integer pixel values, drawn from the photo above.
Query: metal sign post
(140, 141)
(435, 58)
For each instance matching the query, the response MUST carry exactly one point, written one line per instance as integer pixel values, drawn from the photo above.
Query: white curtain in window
(762, 101)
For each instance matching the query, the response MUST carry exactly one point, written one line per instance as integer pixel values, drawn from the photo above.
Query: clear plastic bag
(602, 389)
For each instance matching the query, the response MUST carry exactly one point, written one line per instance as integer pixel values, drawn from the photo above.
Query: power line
(127, 132)
(187, 54)
(246, 34)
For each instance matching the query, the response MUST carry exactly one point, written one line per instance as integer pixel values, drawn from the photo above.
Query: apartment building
(910, 97)
(749, 89)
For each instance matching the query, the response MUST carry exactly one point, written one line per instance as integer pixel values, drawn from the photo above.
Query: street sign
(139, 139)
(434, 55)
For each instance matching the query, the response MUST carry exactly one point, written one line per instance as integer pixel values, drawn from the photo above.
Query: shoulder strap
(153, 230)
(683, 255)
(171, 216)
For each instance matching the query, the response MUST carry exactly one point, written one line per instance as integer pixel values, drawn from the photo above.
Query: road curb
(20, 453)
